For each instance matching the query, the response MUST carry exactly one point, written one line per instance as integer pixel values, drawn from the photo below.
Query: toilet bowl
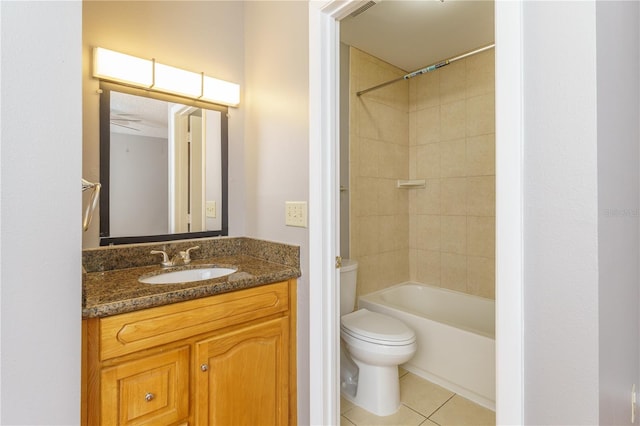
(372, 346)
(376, 344)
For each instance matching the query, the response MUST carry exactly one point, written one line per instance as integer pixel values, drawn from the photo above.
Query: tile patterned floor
(424, 404)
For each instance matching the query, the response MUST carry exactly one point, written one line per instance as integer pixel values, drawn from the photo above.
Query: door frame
(324, 346)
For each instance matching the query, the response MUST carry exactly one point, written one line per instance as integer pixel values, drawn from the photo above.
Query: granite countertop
(110, 291)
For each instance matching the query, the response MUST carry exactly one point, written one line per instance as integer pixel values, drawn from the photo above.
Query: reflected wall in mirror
(163, 167)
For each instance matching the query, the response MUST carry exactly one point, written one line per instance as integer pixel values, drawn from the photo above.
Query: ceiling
(412, 34)
(138, 115)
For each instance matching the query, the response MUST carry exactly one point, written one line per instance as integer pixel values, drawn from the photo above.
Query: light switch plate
(296, 213)
(211, 209)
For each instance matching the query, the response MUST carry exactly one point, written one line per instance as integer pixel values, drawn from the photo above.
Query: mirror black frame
(105, 164)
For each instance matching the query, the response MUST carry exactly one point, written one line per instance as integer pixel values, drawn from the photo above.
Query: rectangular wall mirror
(163, 167)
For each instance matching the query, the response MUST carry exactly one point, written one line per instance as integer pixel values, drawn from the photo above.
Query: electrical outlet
(296, 213)
(211, 209)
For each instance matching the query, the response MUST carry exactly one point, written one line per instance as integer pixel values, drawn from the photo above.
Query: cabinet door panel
(243, 376)
(152, 390)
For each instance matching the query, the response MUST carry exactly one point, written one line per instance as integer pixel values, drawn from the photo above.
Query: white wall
(277, 141)
(201, 36)
(618, 70)
(581, 185)
(41, 212)
(560, 214)
(138, 195)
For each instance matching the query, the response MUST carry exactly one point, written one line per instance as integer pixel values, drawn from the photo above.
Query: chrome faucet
(181, 258)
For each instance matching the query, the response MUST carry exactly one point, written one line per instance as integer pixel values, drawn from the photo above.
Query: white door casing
(324, 391)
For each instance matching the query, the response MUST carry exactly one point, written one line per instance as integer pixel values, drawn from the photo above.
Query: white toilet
(372, 347)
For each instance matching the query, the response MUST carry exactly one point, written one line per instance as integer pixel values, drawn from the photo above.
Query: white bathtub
(455, 333)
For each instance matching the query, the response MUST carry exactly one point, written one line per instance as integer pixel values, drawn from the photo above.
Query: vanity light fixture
(149, 74)
(121, 68)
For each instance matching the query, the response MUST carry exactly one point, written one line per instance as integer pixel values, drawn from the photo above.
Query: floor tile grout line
(415, 411)
(442, 405)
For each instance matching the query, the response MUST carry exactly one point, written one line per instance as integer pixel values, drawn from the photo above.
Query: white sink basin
(187, 275)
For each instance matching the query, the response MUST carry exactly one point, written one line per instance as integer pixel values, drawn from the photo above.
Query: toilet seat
(376, 328)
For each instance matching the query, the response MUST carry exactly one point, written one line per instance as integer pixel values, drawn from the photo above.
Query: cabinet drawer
(131, 332)
(152, 390)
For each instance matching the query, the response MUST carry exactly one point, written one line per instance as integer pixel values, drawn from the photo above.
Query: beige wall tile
(481, 236)
(481, 278)
(452, 82)
(386, 231)
(402, 197)
(392, 160)
(427, 200)
(481, 200)
(394, 233)
(426, 232)
(388, 166)
(395, 95)
(370, 71)
(453, 155)
(453, 194)
(453, 234)
(388, 197)
(367, 234)
(413, 98)
(426, 91)
(413, 128)
(368, 157)
(453, 270)
(480, 73)
(428, 266)
(393, 125)
(368, 274)
(428, 122)
(428, 161)
(481, 155)
(413, 163)
(367, 117)
(480, 115)
(364, 196)
(453, 120)
(395, 268)
(401, 159)
(413, 265)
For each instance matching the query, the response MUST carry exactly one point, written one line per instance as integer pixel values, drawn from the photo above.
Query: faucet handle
(165, 257)
(186, 257)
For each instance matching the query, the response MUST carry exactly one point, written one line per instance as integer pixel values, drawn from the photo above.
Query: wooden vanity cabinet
(222, 360)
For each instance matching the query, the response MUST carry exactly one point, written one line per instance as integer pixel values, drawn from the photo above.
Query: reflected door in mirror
(166, 164)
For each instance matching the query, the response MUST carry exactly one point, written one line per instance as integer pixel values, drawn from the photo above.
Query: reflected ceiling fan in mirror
(124, 120)
(138, 115)
(163, 167)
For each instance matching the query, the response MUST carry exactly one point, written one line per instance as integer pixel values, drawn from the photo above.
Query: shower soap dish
(412, 183)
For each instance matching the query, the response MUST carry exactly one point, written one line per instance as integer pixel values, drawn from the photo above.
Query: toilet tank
(348, 278)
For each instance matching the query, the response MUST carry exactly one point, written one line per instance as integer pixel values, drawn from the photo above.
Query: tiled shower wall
(378, 157)
(438, 127)
(452, 146)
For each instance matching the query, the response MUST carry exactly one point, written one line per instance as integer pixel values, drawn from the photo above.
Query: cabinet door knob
(204, 367)
(149, 396)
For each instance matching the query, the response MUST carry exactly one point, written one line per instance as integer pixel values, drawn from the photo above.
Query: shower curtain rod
(427, 69)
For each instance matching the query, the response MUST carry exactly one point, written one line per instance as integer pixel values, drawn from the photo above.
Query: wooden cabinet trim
(131, 332)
